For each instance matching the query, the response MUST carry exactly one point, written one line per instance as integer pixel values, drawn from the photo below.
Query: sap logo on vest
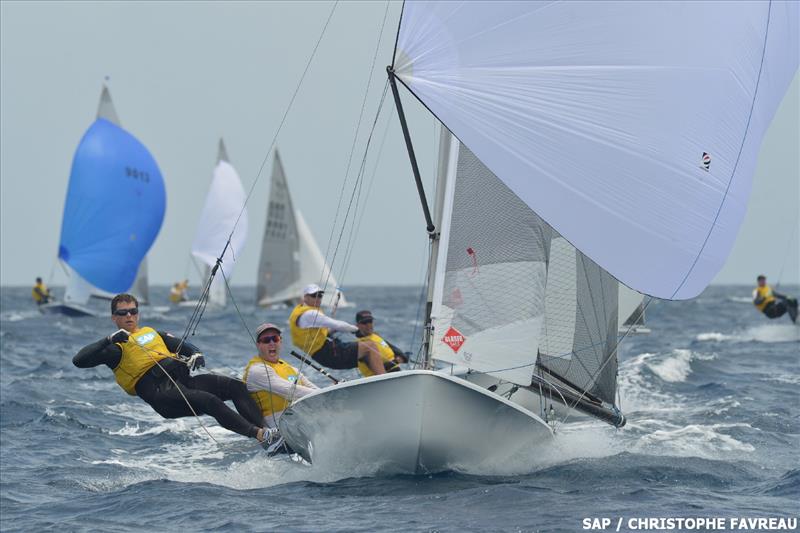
(144, 339)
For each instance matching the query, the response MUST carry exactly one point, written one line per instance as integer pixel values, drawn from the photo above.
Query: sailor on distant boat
(271, 381)
(310, 327)
(771, 303)
(177, 293)
(41, 294)
(145, 364)
(391, 355)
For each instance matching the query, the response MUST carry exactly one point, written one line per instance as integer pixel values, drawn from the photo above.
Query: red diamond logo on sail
(454, 339)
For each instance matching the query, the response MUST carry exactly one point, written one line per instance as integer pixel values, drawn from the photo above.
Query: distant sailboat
(113, 212)
(290, 256)
(224, 202)
(596, 142)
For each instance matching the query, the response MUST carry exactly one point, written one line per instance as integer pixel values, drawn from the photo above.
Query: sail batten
(631, 128)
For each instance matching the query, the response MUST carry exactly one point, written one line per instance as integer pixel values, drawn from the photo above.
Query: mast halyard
(433, 235)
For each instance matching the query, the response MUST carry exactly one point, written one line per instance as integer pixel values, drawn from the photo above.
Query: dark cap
(363, 315)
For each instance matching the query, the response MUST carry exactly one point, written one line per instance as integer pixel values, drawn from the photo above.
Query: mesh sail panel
(515, 290)
(494, 277)
(580, 331)
(278, 267)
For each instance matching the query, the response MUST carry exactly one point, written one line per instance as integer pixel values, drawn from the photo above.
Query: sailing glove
(119, 336)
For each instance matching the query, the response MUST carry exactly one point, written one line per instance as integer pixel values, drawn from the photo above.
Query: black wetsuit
(207, 393)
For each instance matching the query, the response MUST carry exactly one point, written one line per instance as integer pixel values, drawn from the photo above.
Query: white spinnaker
(599, 114)
(224, 202)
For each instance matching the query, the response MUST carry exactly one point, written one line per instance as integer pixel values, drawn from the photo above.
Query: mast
(433, 235)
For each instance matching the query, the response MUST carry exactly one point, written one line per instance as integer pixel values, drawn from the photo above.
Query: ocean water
(711, 395)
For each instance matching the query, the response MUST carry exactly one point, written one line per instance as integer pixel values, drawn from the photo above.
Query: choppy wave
(767, 333)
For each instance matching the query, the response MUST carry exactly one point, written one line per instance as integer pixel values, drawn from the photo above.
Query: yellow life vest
(40, 292)
(387, 354)
(144, 347)
(268, 402)
(765, 293)
(310, 340)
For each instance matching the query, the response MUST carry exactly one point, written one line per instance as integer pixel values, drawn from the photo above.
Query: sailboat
(220, 219)
(631, 312)
(112, 214)
(593, 144)
(290, 256)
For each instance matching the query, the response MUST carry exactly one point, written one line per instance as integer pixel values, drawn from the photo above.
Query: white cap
(312, 289)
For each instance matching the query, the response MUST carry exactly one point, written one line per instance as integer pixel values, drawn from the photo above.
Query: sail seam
(738, 157)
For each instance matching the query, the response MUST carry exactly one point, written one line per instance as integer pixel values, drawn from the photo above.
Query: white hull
(412, 422)
(68, 309)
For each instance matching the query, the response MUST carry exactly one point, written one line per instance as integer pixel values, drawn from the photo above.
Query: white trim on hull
(412, 422)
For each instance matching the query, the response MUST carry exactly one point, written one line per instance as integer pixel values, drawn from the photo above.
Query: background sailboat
(112, 214)
(224, 204)
(589, 129)
(290, 256)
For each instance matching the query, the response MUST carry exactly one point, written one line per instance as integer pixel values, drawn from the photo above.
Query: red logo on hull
(454, 339)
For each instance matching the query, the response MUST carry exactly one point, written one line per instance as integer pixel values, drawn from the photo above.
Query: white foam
(16, 316)
(675, 368)
(791, 379)
(767, 333)
(694, 440)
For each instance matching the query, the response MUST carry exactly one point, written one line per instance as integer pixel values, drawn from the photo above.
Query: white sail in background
(290, 256)
(631, 310)
(632, 128)
(224, 204)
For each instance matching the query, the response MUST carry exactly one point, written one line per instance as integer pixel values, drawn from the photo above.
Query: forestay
(632, 128)
(512, 296)
(224, 204)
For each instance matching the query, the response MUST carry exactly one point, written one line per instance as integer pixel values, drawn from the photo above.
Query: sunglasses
(266, 339)
(365, 321)
(124, 312)
(317, 294)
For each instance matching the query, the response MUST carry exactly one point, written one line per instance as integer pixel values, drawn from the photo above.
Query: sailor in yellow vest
(41, 294)
(391, 356)
(177, 293)
(271, 381)
(310, 328)
(772, 303)
(155, 366)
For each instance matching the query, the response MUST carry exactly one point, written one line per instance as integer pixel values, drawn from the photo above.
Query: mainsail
(632, 128)
(224, 207)
(113, 211)
(517, 300)
(290, 256)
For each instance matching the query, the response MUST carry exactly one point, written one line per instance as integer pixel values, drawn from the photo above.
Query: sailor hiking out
(156, 367)
(771, 303)
(272, 382)
(40, 292)
(310, 327)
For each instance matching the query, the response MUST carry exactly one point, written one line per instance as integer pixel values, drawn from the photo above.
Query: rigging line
(369, 190)
(350, 204)
(422, 293)
(583, 393)
(200, 303)
(353, 146)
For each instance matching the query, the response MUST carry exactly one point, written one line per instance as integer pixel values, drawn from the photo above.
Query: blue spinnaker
(114, 208)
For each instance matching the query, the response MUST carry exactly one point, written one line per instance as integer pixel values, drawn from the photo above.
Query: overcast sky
(182, 74)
